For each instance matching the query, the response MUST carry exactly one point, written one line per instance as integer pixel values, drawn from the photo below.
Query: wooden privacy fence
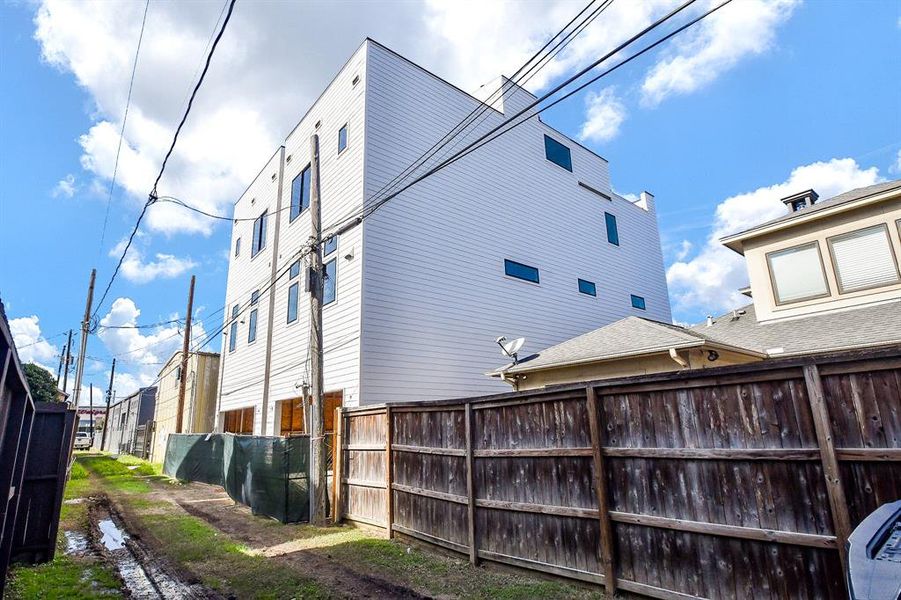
(732, 482)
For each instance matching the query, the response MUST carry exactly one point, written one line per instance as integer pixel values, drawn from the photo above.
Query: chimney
(801, 200)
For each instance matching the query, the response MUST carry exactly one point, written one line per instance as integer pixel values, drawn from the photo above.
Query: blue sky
(718, 127)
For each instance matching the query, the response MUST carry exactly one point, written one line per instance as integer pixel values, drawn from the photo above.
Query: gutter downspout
(675, 356)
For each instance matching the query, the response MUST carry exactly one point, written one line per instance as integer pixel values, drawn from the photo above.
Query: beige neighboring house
(201, 389)
(824, 278)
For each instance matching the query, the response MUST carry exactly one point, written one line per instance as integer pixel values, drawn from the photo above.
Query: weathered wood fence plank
(739, 481)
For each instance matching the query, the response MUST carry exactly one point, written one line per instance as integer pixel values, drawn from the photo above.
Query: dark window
(252, 320)
(520, 271)
(638, 302)
(237, 247)
(259, 235)
(587, 287)
(342, 139)
(329, 286)
(557, 153)
(233, 330)
(330, 245)
(612, 231)
(798, 205)
(292, 302)
(300, 193)
(295, 270)
(177, 373)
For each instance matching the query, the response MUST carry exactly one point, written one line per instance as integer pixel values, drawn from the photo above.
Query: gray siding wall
(434, 294)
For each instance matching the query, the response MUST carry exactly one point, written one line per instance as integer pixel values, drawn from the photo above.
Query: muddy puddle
(143, 576)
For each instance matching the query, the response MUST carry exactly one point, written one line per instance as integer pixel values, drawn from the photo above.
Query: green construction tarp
(268, 474)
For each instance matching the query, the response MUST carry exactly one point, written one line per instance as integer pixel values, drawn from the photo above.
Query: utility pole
(182, 380)
(109, 396)
(319, 485)
(68, 360)
(59, 369)
(85, 327)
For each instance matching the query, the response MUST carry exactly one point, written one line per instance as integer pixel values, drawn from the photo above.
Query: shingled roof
(869, 326)
(845, 198)
(632, 336)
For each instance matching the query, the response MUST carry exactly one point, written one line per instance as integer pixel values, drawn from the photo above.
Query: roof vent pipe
(709, 321)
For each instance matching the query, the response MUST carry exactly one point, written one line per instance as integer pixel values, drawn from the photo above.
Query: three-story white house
(523, 237)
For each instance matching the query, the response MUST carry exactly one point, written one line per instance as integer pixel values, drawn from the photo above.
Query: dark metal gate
(16, 414)
(140, 447)
(46, 472)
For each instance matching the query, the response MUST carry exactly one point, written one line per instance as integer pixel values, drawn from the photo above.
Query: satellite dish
(512, 347)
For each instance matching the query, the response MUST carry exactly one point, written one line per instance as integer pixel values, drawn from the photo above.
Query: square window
(557, 153)
(520, 271)
(797, 273)
(292, 302)
(300, 193)
(254, 297)
(342, 139)
(638, 302)
(329, 286)
(587, 287)
(863, 259)
(612, 231)
(330, 245)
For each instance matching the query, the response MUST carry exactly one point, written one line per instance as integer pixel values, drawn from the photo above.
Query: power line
(481, 108)
(367, 211)
(131, 84)
(153, 192)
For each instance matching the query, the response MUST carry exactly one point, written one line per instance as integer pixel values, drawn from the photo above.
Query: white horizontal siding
(435, 295)
(246, 364)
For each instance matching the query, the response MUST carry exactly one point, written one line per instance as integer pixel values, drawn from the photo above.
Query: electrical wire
(153, 192)
(537, 63)
(367, 211)
(131, 84)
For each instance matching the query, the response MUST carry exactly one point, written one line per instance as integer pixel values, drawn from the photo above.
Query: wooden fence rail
(734, 482)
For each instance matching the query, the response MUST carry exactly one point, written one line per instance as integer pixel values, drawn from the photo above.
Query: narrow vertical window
(300, 193)
(293, 291)
(237, 247)
(612, 231)
(292, 302)
(342, 139)
(329, 286)
(638, 302)
(252, 319)
(233, 330)
(259, 235)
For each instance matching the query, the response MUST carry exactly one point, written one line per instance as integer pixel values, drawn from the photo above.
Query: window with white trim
(863, 259)
(797, 273)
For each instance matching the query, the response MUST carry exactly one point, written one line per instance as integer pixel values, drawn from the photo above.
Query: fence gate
(143, 436)
(46, 471)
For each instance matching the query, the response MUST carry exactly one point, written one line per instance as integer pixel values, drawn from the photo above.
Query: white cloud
(139, 353)
(604, 115)
(163, 266)
(895, 168)
(715, 45)
(65, 187)
(31, 344)
(710, 280)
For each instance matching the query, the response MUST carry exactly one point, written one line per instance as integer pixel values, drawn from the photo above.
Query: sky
(762, 99)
